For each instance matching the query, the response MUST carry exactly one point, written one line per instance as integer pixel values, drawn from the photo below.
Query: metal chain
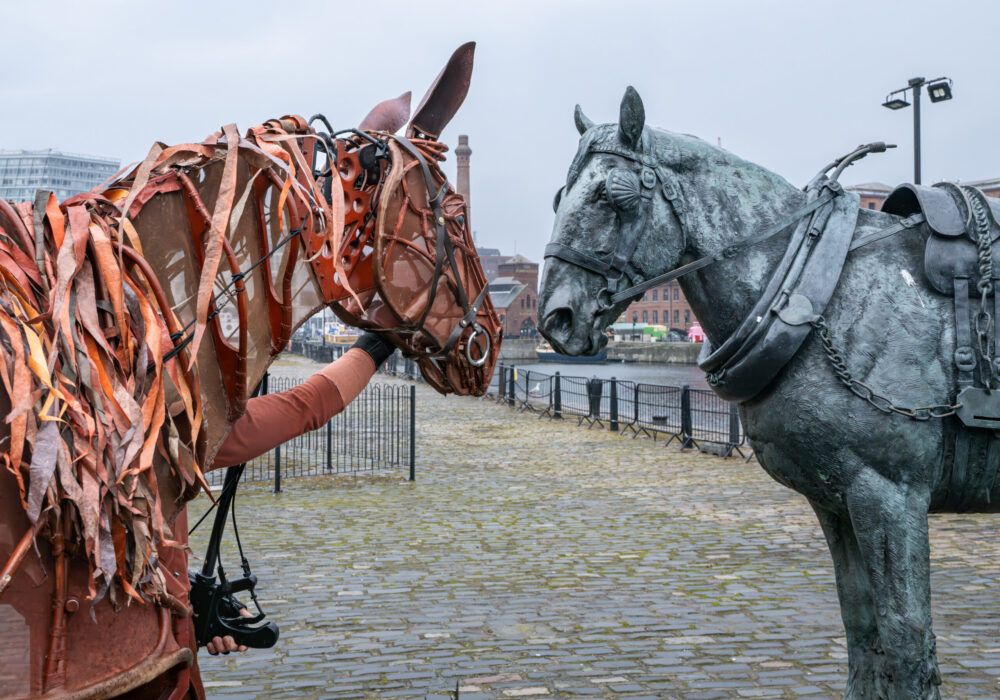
(859, 388)
(984, 319)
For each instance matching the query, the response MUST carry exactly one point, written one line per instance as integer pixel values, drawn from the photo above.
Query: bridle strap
(445, 249)
(729, 252)
(575, 257)
(628, 240)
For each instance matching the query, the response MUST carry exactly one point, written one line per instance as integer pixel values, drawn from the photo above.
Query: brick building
(515, 294)
(521, 269)
(517, 305)
(663, 305)
(490, 259)
(872, 194)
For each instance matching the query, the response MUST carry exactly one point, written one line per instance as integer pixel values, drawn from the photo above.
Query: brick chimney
(462, 154)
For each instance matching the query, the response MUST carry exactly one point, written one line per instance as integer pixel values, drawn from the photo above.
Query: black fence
(692, 417)
(375, 432)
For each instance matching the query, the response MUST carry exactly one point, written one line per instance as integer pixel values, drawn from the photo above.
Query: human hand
(224, 645)
(377, 347)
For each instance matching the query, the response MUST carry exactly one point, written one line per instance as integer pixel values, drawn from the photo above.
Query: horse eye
(557, 199)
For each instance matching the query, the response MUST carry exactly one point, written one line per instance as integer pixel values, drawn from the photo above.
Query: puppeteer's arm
(276, 418)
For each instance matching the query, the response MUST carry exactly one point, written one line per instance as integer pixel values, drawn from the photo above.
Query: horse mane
(107, 429)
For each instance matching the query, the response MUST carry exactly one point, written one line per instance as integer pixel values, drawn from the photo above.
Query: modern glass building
(22, 173)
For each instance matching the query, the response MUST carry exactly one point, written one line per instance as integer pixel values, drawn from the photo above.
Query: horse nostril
(559, 322)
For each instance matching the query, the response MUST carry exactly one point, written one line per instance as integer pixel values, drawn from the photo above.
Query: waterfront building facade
(663, 305)
(22, 173)
(521, 269)
(490, 259)
(517, 305)
(872, 193)
(515, 294)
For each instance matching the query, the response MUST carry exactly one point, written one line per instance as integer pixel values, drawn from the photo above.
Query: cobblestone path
(540, 559)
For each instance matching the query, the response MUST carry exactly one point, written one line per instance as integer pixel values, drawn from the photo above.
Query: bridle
(630, 194)
(445, 250)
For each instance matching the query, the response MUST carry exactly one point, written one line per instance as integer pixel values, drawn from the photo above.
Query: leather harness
(796, 295)
(445, 249)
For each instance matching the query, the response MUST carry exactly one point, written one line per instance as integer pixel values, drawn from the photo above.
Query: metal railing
(692, 417)
(374, 432)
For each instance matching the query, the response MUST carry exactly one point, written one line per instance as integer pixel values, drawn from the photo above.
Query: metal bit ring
(468, 347)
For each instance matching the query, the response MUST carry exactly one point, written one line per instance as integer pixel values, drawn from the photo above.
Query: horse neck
(166, 237)
(735, 201)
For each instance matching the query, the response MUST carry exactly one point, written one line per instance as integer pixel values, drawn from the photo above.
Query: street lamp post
(938, 89)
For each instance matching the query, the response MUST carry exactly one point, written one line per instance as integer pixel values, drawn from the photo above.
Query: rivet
(72, 605)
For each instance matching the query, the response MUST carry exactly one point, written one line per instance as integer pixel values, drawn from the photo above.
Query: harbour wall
(655, 353)
(514, 350)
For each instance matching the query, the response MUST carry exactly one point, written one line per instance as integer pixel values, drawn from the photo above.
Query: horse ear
(389, 115)
(632, 118)
(582, 122)
(445, 95)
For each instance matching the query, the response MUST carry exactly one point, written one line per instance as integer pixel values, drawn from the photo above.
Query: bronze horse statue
(136, 319)
(845, 334)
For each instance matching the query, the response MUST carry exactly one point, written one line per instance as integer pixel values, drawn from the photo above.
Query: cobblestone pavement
(540, 559)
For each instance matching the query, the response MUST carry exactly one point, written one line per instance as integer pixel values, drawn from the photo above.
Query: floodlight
(939, 92)
(895, 103)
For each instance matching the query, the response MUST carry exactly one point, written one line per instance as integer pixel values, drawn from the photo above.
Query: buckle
(648, 178)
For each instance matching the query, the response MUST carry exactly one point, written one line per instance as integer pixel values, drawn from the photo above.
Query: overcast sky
(789, 85)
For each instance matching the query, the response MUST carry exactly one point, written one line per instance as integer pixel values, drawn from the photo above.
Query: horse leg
(890, 527)
(857, 608)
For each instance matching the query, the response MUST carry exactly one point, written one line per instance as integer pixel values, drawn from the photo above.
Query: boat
(545, 353)
(340, 334)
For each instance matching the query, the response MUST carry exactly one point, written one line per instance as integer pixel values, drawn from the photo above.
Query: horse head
(639, 201)
(409, 261)
(599, 243)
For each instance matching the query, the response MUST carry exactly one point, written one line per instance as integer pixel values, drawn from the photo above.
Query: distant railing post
(277, 469)
(635, 405)
(329, 445)
(613, 398)
(527, 387)
(557, 398)
(502, 382)
(734, 429)
(686, 428)
(511, 387)
(413, 432)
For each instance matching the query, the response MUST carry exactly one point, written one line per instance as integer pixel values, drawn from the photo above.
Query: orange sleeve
(276, 418)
